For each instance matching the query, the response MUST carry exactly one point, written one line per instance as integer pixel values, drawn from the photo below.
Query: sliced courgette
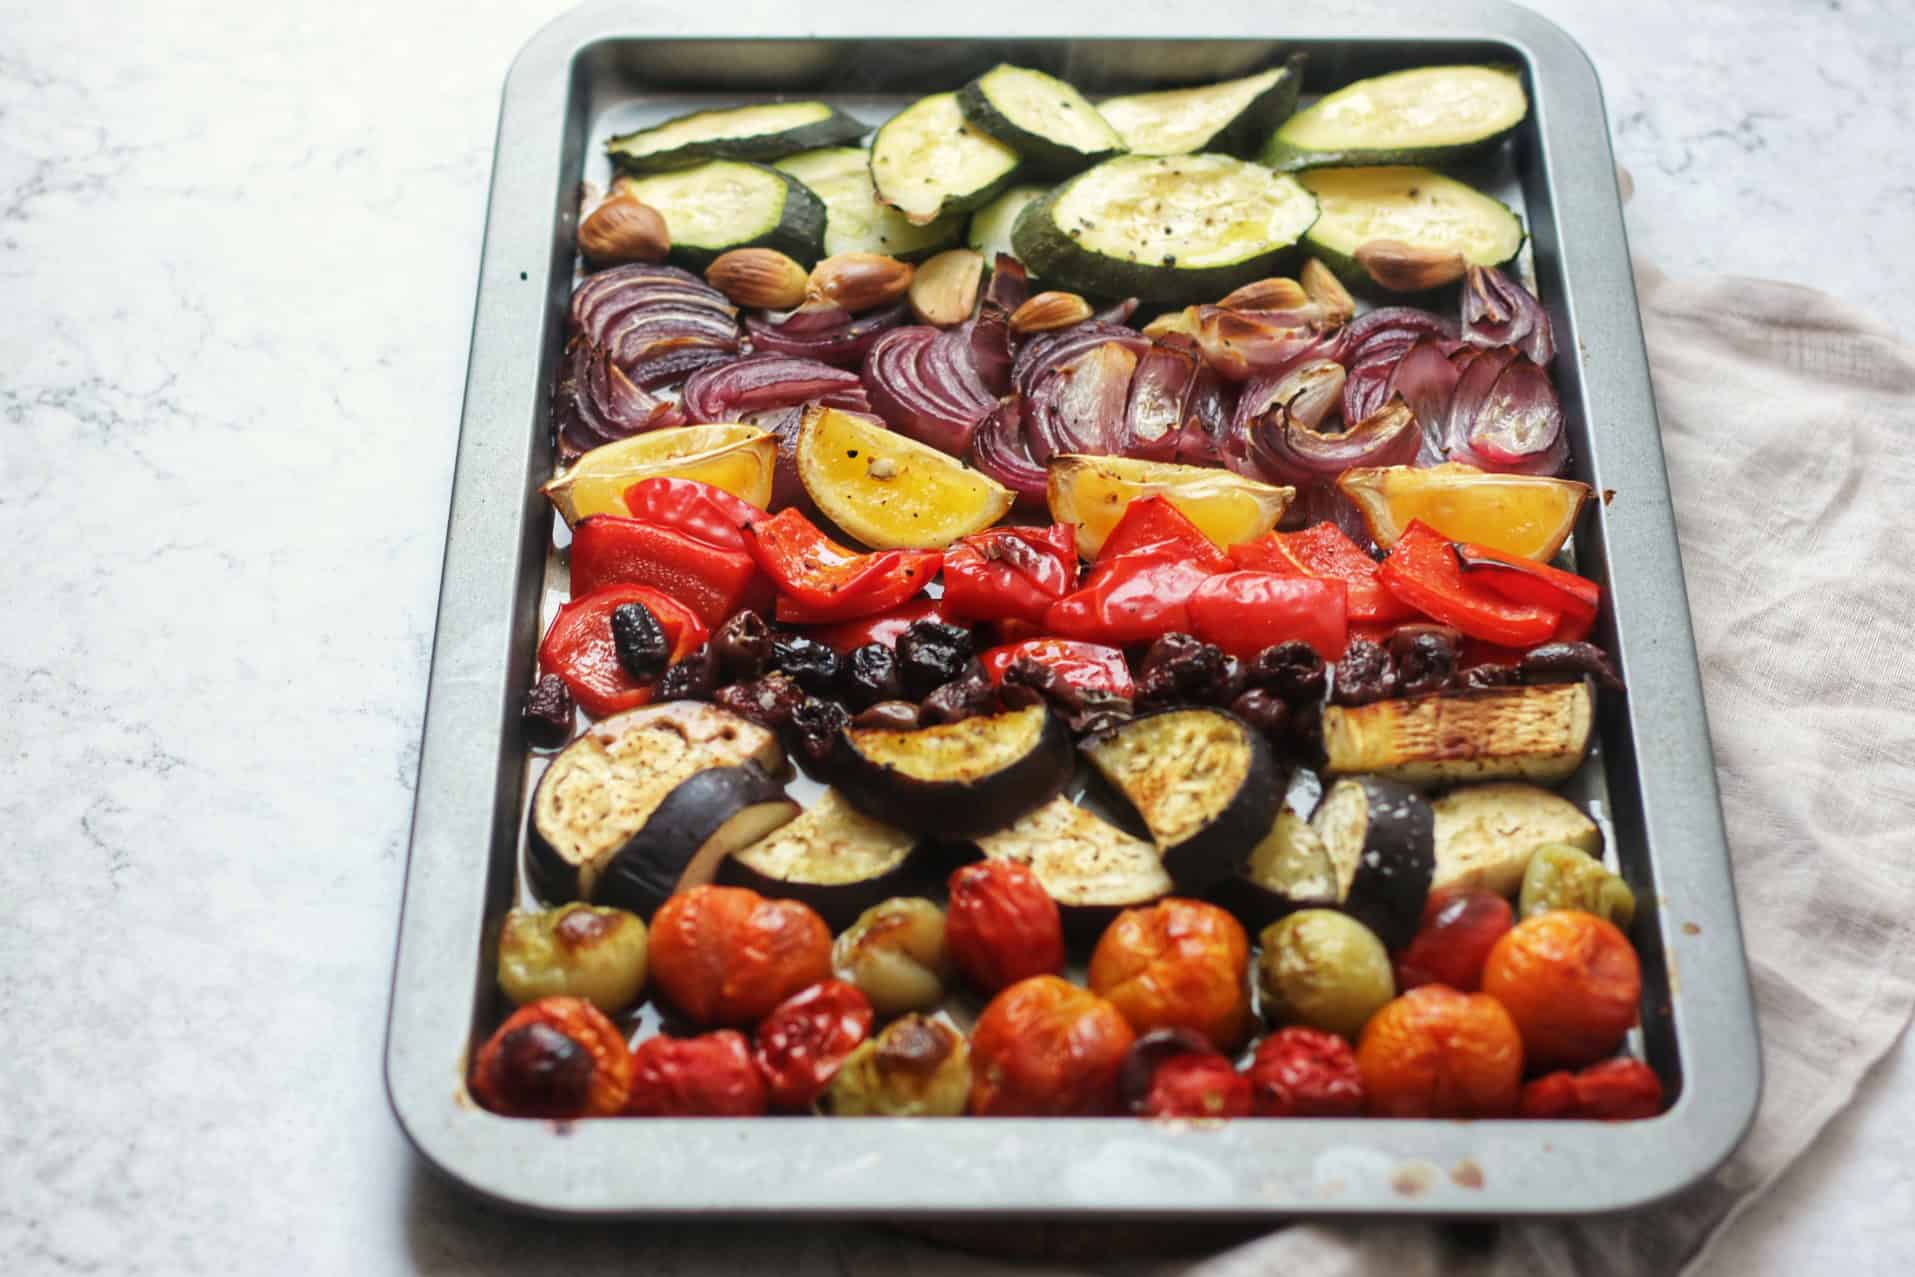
(726, 204)
(740, 133)
(927, 162)
(1172, 228)
(833, 857)
(1045, 120)
(990, 232)
(1233, 117)
(1429, 115)
(1414, 205)
(855, 222)
(1496, 733)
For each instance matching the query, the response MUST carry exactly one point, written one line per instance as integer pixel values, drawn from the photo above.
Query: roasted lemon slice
(1094, 492)
(740, 459)
(1525, 514)
(890, 492)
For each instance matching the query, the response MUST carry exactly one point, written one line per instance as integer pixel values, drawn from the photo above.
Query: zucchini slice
(685, 840)
(1233, 117)
(1485, 834)
(1429, 115)
(926, 162)
(726, 204)
(1381, 840)
(833, 857)
(1049, 123)
(1164, 228)
(990, 232)
(855, 222)
(1414, 205)
(1202, 780)
(1091, 868)
(1496, 733)
(740, 133)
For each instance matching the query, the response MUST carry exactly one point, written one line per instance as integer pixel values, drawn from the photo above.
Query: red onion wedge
(1244, 344)
(1424, 378)
(1040, 355)
(989, 334)
(1079, 408)
(829, 334)
(727, 392)
(1117, 312)
(919, 380)
(1478, 377)
(1159, 392)
(1498, 311)
(1370, 348)
(1519, 427)
(998, 450)
(1291, 452)
(1207, 415)
(1010, 285)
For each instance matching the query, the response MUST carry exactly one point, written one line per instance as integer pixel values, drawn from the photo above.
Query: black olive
(768, 701)
(544, 1070)
(1556, 662)
(959, 699)
(931, 654)
(1083, 709)
(693, 679)
(1169, 648)
(1292, 670)
(638, 638)
(1099, 710)
(1179, 669)
(1265, 711)
(814, 665)
(1425, 658)
(815, 724)
(743, 645)
(871, 675)
(1478, 677)
(547, 715)
(1365, 674)
(899, 716)
(1232, 679)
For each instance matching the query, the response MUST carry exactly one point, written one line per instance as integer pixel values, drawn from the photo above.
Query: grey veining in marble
(237, 252)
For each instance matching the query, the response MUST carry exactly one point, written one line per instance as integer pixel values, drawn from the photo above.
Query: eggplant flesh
(706, 818)
(1519, 733)
(1290, 869)
(1486, 833)
(833, 857)
(1082, 861)
(1381, 840)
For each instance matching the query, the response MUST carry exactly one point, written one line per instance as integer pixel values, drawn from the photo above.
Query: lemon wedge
(1094, 492)
(1523, 514)
(740, 459)
(890, 492)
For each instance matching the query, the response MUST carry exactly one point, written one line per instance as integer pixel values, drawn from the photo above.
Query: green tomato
(1563, 877)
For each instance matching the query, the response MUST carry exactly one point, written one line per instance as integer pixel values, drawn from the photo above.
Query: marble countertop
(237, 256)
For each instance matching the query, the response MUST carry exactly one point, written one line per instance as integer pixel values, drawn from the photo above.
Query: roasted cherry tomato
(579, 647)
(1197, 1086)
(1245, 612)
(800, 1045)
(1612, 1091)
(1091, 666)
(1010, 573)
(1299, 1072)
(708, 1076)
(1435, 1052)
(557, 1057)
(1001, 926)
(1045, 1047)
(1459, 929)
(727, 955)
(819, 580)
(1571, 982)
(712, 580)
(1325, 550)
(1177, 964)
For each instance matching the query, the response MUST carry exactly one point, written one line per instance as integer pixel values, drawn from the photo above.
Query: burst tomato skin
(1046, 1048)
(1001, 926)
(1196, 1084)
(1612, 1091)
(707, 1076)
(1177, 964)
(1571, 982)
(558, 1057)
(727, 955)
(1454, 941)
(800, 1045)
(1303, 1072)
(1434, 1052)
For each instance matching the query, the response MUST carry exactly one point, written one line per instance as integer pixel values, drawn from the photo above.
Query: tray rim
(1074, 1167)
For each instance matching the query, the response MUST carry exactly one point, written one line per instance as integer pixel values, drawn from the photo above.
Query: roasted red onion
(1010, 286)
(1040, 355)
(1478, 371)
(1244, 344)
(595, 403)
(1117, 312)
(828, 334)
(1370, 348)
(920, 380)
(1424, 378)
(998, 450)
(989, 334)
(731, 391)
(1519, 426)
(1498, 311)
(1159, 390)
(1079, 407)
(1290, 452)
(1207, 416)
(600, 299)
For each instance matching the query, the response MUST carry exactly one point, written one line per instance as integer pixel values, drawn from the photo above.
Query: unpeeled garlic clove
(1275, 293)
(858, 281)
(624, 229)
(760, 278)
(1409, 268)
(944, 289)
(1322, 286)
(1048, 311)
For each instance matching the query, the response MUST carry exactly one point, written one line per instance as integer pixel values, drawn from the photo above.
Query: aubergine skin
(662, 857)
(1393, 873)
(1255, 905)
(838, 903)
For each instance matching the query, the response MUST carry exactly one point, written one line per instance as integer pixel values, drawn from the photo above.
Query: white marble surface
(237, 253)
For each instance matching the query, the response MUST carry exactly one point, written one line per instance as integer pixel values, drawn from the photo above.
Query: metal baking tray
(1652, 781)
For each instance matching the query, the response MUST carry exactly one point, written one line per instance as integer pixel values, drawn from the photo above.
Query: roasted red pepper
(1537, 584)
(819, 580)
(1086, 665)
(712, 580)
(884, 627)
(1423, 571)
(700, 510)
(579, 649)
(1153, 526)
(1245, 612)
(1132, 599)
(1010, 573)
(1327, 552)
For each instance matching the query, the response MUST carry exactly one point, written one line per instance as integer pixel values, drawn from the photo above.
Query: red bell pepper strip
(1151, 525)
(578, 646)
(1325, 551)
(1423, 571)
(1245, 612)
(819, 580)
(1132, 599)
(700, 510)
(885, 627)
(1010, 573)
(1537, 584)
(1091, 666)
(711, 580)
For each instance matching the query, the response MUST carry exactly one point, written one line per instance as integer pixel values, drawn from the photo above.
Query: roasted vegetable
(1091, 868)
(1323, 969)
(896, 954)
(916, 1067)
(1289, 869)
(1452, 946)
(928, 162)
(1571, 982)
(707, 1076)
(686, 839)
(1094, 493)
(738, 459)
(1611, 1091)
(1486, 833)
(1380, 838)
(1428, 115)
(763, 132)
(889, 491)
(1435, 1052)
(833, 857)
(1043, 119)
(1414, 207)
(990, 229)
(1532, 733)
(1304, 1072)
(801, 1043)
(855, 222)
(1564, 877)
(1177, 964)
(575, 951)
(725, 204)
(727, 955)
(1000, 926)
(556, 1058)
(1233, 117)
(1524, 514)
(1046, 1048)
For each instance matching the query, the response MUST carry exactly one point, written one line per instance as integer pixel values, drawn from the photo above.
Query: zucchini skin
(1042, 156)
(799, 232)
(1346, 267)
(835, 129)
(838, 903)
(949, 202)
(1286, 157)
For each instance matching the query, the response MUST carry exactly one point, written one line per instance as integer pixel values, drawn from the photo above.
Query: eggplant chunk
(1290, 869)
(1091, 868)
(1381, 840)
(1202, 780)
(954, 780)
(833, 857)
(706, 818)
(1485, 834)
(602, 788)
(1516, 733)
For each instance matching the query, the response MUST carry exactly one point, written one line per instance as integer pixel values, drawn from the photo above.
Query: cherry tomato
(1299, 1072)
(708, 1076)
(1045, 1047)
(1001, 926)
(556, 1057)
(806, 1037)
(727, 955)
(1459, 929)
(1194, 1085)
(1612, 1091)
(1177, 964)
(1435, 1052)
(1571, 982)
